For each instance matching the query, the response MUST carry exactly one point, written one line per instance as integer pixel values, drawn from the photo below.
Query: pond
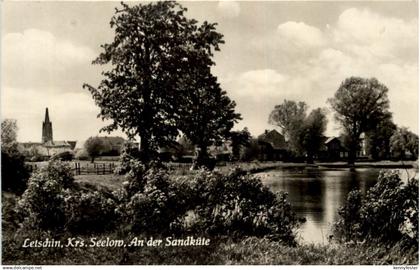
(316, 194)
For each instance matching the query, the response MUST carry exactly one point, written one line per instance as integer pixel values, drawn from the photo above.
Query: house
(222, 152)
(334, 149)
(273, 145)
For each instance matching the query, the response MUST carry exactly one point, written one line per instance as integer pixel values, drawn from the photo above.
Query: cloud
(362, 33)
(308, 63)
(300, 35)
(229, 8)
(36, 58)
(73, 114)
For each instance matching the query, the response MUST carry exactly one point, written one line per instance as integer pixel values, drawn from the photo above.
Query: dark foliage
(388, 213)
(14, 174)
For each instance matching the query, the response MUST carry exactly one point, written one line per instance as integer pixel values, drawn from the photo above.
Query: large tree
(290, 116)
(154, 48)
(311, 134)
(359, 105)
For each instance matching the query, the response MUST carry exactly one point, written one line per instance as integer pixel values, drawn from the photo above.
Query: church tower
(47, 134)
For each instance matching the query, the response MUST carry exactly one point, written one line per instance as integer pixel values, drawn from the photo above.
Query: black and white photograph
(209, 133)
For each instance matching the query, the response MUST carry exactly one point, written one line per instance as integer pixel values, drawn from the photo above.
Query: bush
(88, 212)
(14, 174)
(43, 203)
(238, 204)
(156, 206)
(388, 213)
(53, 202)
(209, 203)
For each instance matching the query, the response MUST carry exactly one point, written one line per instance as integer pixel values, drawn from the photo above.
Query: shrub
(43, 202)
(88, 212)
(156, 205)
(208, 203)
(238, 204)
(388, 213)
(14, 174)
(53, 202)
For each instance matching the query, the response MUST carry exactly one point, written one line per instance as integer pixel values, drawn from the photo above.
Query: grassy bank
(220, 252)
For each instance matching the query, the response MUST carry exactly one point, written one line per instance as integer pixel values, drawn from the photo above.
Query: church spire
(47, 117)
(47, 133)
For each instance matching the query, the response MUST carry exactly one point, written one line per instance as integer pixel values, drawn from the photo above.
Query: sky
(273, 51)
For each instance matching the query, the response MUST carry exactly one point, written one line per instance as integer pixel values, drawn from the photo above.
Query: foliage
(304, 132)
(402, 141)
(312, 133)
(9, 130)
(388, 213)
(359, 105)
(53, 202)
(153, 52)
(251, 152)
(239, 140)
(14, 174)
(248, 251)
(89, 212)
(238, 204)
(207, 114)
(94, 147)
(378, 139)
(43, 202)
(289, 116)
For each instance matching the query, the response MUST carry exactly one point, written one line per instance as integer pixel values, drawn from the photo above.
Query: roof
(57, 144)
(274, 138)
(330, 139)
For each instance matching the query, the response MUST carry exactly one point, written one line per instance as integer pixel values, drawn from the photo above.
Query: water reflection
(316, 194)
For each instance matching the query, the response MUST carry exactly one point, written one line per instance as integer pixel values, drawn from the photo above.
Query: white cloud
(365, 32)
(73, 114)
(229, 8)
(37, 58)
(300, 35)
(310, 64)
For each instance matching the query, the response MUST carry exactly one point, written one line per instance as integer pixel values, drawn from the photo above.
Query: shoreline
(266, 166)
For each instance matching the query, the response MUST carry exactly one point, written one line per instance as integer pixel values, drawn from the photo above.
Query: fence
(95, 168)
(85, 168)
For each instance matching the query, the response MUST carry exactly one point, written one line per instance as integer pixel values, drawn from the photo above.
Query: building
(47, 132)
(272, 145)
(47, 147)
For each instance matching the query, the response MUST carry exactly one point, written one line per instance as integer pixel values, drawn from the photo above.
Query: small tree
(9, 130)
(290, 117)
(312, 133)
(378, 139)
(359, 105)
(403, 141)
(94, 147)
(14, 174)
(239, 139)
